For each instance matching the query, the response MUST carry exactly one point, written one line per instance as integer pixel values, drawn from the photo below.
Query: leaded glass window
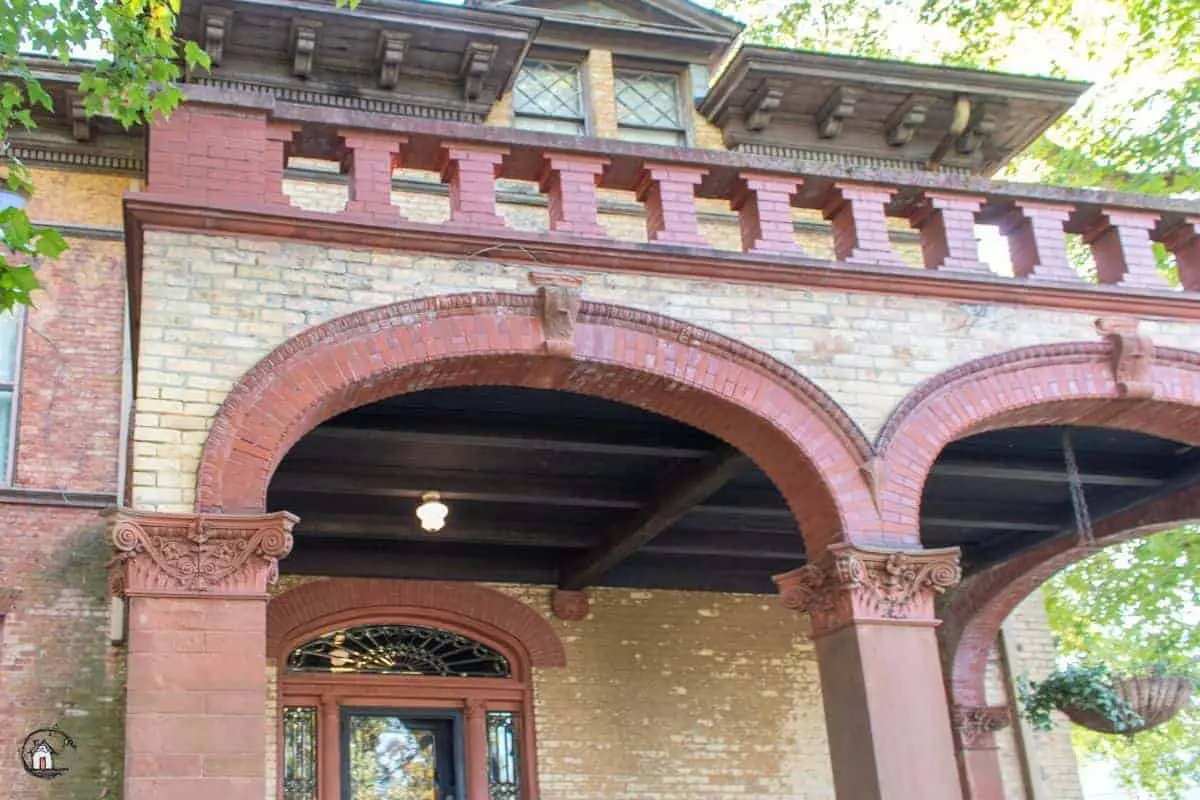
(504, 781)
(299, 753)
(648, 108)
(10, 328)
(548, 96)
(399, 650)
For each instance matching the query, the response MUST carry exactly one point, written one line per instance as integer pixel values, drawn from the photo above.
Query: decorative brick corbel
(558, 306)
(1132, 356)
(1183, 240)
(304, 46)
(854, 584)
(568, 605)
(390, 51)
(975, 727)
(196, 555)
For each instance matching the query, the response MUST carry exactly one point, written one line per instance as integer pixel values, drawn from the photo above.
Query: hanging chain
(1083, 520)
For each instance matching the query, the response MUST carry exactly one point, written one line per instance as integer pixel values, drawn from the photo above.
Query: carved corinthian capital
(976, 727)
(196, 555)
(849, 584)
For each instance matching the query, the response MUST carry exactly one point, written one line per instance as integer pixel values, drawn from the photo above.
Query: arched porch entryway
(878, 670)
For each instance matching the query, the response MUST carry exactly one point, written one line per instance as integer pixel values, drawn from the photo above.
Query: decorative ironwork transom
(648, 100)
(548, 89)
(399, 650)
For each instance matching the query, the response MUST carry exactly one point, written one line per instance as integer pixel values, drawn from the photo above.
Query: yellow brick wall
(213, 306)
(601, 96)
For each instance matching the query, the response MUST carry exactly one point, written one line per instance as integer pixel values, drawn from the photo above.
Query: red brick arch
(1065, 384)
(794, 432)
(982, 602)
(476, 611)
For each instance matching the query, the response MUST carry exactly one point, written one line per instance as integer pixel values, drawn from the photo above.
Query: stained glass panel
(392, 758)
(504, 781)
(299, 753)
(399, 650)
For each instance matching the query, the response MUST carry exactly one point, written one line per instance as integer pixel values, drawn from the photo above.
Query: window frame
(677, 74)
(9, 456)
(576, 62)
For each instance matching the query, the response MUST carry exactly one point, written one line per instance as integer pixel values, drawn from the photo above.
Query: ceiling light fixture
(432, 512)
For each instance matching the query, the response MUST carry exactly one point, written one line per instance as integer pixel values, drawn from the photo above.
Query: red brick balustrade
(373, 156)
(231, 157)
(471, 172)
(1120, 242)
(1037, 242)
(569, 182)
(764, 206)
(947, 226)
(859, 225)
(1184, 241)
(669, 192)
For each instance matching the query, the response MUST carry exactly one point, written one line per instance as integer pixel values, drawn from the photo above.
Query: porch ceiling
(537, 482)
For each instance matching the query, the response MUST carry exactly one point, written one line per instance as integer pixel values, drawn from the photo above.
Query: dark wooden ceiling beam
(996, 470)
(691, 488)
(991, 524)
(573, 443)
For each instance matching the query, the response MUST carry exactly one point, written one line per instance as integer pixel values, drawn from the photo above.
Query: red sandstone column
(1184, 241)
(764, 206)
(859, 224)
(978, 754)
(279, 136)
(669, 192)
(947, 225)
(881, 675)
(1120, 242)
(477, 753)
(569, 182)
(1037, 242)
(196, 686)
(374, 157)
(471, 170)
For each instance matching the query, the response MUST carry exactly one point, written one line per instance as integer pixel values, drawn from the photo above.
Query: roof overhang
(922, 115)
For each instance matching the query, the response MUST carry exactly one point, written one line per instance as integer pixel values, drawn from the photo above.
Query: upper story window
(648, 107)
(10, 334)
(548, 96)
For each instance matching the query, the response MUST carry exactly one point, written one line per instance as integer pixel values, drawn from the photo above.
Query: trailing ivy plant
(1087, 687)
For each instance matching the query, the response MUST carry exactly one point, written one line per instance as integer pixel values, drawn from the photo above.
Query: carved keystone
(558, 306)
(851, 584)
(196, 555)
(976, 727)
(568, 605)
(1132, 356)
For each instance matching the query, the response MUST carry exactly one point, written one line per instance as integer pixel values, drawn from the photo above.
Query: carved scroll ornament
(196, 555)
(852, 584)
(558, 306)
(1132, 356)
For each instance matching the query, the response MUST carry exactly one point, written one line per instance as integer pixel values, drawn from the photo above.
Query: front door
(400, 755)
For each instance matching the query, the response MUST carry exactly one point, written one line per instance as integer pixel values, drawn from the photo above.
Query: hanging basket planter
(1154, 698)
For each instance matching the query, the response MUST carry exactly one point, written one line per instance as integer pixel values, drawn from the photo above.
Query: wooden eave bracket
(1132, 356)
(304, 46)
(215, 24)
(81, 126)
(765, 102)
(476, 63)
(907, 118)
(837, 108)
(390, 53)
(982, 125)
